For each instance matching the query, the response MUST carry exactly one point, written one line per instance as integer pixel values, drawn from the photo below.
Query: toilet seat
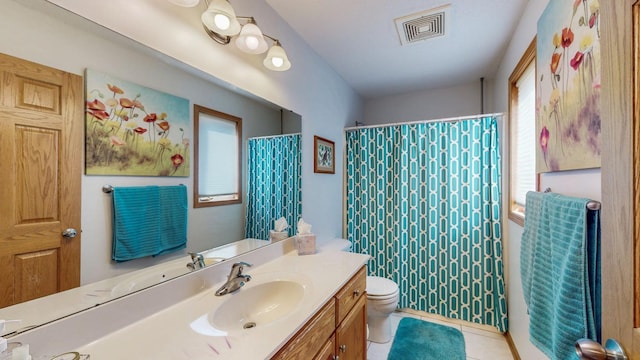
(380, 288)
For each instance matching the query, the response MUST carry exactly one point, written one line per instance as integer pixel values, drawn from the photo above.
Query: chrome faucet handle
(195, 256)
(242, 263)
(197, 259)
(236, 269)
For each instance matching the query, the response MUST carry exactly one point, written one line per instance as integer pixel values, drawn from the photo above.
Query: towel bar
(591, 205)
(108, 189)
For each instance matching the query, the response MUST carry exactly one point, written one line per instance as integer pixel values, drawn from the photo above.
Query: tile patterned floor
(479, 344)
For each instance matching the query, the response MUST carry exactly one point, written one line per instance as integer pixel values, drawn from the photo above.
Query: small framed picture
(324, 156)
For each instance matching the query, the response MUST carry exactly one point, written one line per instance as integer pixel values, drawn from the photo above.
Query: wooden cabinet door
(328, 352)
(313, 336)
(41, 147)
(351, 342)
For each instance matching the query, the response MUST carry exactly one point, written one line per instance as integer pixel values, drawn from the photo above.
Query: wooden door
(351, 342)
(41, 134)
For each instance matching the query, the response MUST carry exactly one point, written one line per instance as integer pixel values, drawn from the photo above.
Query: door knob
(69, 233)
(588, 349)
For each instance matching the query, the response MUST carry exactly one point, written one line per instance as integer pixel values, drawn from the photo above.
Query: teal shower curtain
(423, 200)
(274, 184)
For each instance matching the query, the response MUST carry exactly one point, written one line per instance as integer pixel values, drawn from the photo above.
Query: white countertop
(182, 331)
(52, 307)
(170, 334)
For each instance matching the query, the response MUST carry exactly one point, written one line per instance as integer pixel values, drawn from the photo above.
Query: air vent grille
(422, 26)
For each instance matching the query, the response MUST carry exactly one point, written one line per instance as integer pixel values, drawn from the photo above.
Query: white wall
(460, 100)
(583, 183)
(310, 88)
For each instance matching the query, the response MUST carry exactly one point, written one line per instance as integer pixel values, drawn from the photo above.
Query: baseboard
(512, 346)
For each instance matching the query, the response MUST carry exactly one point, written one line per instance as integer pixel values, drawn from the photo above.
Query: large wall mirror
(223, 231)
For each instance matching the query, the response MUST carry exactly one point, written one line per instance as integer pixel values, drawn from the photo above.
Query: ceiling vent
(423, 25)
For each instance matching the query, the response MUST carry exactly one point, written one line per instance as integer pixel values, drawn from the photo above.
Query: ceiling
(358, 38)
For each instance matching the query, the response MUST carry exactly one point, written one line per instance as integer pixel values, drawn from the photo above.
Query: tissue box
(306, 244)
(278, 235)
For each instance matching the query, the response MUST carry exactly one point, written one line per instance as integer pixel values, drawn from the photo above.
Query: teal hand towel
(148, 221)
(561, 301)
(533, 226)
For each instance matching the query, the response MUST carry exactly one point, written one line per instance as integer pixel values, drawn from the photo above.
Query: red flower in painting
(99, 114)
(177, 160)
(555, 61)
(95, 105)
(140, 130)
(126, 103)
(544, 139)
(151, 118)
(138, 104)
(576, 3)
(115, 89)
(164, 125)
(577, 60)
(567, 37)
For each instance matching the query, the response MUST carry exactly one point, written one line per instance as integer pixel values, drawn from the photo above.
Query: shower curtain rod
(452, 119)
(272, 136)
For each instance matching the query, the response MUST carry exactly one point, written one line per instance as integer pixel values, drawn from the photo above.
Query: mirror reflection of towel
(148, 221)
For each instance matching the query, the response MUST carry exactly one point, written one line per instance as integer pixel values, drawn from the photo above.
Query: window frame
(198, 202)
(517, 211)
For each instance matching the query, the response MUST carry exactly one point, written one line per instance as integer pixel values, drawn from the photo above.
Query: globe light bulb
(252, 42)
(277, 61)
(222, 21)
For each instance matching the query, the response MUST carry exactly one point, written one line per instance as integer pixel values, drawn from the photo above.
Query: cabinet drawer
(312, 337)
(350, 294)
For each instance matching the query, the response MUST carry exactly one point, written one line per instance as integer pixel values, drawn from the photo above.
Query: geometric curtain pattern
(274, 185)
(423, 200)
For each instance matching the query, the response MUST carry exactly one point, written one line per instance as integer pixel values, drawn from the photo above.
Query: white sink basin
(257, 306)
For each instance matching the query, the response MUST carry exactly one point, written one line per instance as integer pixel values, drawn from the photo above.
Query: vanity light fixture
(185, 3)
(222, 24)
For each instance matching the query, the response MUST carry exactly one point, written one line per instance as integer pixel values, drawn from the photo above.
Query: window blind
(525, 141)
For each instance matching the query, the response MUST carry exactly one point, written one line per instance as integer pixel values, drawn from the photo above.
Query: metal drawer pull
(356, 293)
(343, 348)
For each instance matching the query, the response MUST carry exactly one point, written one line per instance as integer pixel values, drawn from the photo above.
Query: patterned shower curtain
(274, 184)
(423, 200)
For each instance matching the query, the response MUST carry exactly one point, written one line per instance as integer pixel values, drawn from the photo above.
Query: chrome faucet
(235, 280)
(197, 261)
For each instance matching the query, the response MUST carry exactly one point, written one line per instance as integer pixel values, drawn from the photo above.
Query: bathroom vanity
(338, 329)
(294, 307)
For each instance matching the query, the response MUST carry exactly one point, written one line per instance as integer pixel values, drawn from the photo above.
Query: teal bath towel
(532, 227)
(560, 268)
(148, 221)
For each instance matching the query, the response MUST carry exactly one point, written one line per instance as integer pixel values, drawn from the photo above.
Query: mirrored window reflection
(218, 153)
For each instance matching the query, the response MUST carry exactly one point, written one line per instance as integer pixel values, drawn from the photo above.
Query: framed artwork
(568, 86)
(134, 130)
(323, 156)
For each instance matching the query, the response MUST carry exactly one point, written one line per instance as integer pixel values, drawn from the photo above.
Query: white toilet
(382, 300)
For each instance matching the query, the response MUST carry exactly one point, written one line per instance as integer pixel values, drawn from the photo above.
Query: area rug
(420, 340)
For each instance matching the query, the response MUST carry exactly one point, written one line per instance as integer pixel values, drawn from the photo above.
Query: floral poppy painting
(568, 86)
(134, 130)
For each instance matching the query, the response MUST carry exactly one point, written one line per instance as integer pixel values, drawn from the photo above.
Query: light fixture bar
(221, 23)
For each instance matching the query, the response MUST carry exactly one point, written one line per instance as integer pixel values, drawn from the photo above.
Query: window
(218, 139)
(522, 134)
